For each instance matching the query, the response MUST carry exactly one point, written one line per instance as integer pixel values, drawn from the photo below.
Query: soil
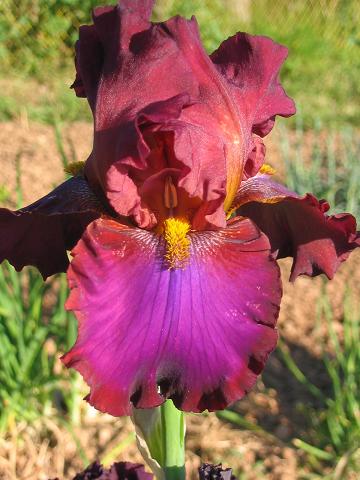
(46, 449)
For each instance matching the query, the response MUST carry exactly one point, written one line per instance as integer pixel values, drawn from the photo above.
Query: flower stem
(160, 436)
(173, 430)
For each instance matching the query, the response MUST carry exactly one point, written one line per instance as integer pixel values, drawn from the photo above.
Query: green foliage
(34, 328)
(9, 108)
(37, 39)
(323, 40)
(54, 99)
(38, 35)
(324, 45)
(323, 162)
(334, 439)
(217, 20)
(332, 443)
(4, 193)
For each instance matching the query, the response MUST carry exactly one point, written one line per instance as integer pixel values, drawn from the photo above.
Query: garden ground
(272, 417)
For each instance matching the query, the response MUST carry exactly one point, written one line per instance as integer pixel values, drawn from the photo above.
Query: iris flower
(174, 221)
(117, 471)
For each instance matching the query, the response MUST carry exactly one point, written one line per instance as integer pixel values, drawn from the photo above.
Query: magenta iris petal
(199, 336)
(300, 228)
(40, 234)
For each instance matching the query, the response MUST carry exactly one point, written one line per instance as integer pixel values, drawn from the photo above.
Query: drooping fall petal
(300, 228)
(199, 335)
(41, 233)
(263, 189)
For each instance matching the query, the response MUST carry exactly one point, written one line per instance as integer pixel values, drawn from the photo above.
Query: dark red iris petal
(93, 49)
(300, 228)
(88, 62)
(41, 233)
(117, 471)
(159, 144)
(251, 64)
(255, 159)
(182, 97)
(208, 471)
(127, 65)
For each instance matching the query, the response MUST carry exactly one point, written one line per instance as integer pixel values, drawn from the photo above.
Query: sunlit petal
(199, 335)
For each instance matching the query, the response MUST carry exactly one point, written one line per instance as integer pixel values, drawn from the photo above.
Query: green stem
(172, 421)
(160, 434)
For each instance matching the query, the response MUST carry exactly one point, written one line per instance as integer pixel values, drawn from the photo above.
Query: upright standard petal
(169, 146)
(251, 64)
(299, 227)
(211, 139)
(199, 335)
(41, 233)
(90, 52)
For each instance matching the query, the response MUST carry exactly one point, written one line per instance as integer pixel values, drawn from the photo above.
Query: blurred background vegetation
(318, 150)
(321, 73)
